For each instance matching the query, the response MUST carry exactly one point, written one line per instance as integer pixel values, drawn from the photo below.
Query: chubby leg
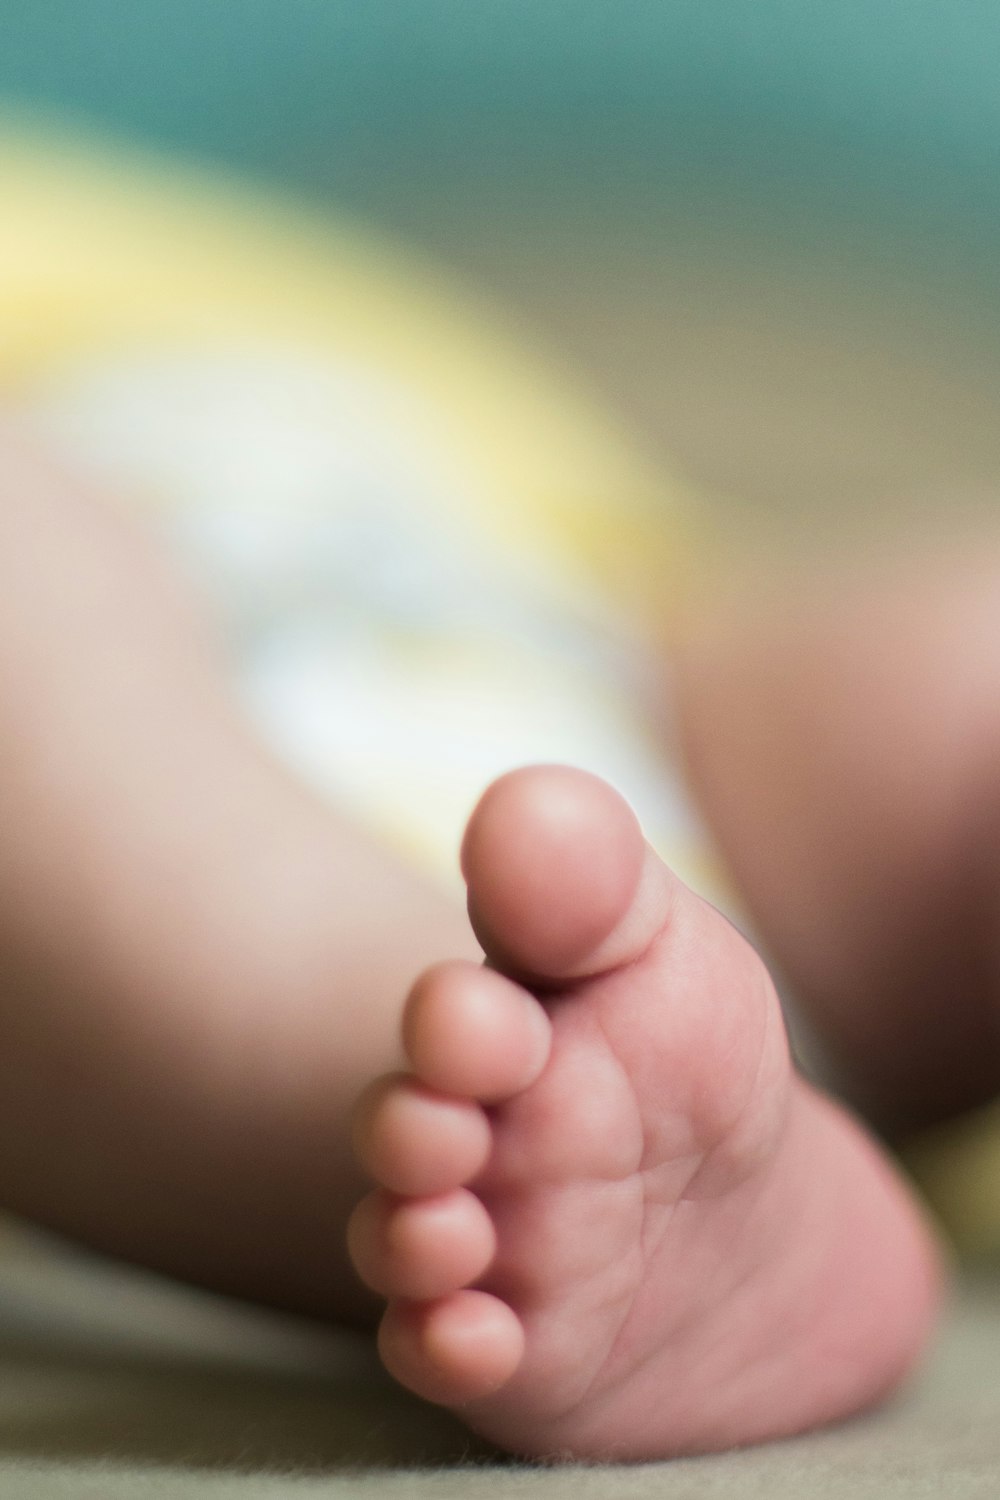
(200, 965)
(610, 1220)
(842, 734)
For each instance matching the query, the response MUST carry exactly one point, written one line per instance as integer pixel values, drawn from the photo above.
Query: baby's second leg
(199, 964)
(843, 738)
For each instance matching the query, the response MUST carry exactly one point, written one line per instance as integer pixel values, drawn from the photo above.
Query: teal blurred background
(850, 108)
(770, 231)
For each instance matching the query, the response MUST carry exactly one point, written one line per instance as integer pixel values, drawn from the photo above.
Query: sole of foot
(609, 1219)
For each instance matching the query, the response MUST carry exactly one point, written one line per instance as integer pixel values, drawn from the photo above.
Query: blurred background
(768, 230)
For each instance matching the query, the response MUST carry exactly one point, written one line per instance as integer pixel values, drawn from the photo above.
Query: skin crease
(201, 967)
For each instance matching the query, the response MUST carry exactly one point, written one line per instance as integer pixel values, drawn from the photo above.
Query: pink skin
(610, 1220)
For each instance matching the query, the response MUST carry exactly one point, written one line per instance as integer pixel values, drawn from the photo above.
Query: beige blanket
(116, 1386)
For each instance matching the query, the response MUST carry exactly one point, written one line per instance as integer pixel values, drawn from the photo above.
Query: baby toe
(420, 1248)
(454, 1350)
(416, 1142)
(470, 1031)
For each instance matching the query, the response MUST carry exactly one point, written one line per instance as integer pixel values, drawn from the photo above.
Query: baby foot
(611, 1221)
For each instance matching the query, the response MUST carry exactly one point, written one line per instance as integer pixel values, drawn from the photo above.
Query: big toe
(561, 882)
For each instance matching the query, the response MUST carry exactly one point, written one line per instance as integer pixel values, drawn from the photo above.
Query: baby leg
(200, 964)
(842, 734)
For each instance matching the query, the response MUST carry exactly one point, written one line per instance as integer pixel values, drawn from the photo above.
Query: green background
(850, 109)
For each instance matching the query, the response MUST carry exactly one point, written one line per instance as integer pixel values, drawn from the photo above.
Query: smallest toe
(454, 1350)
(471, 1032)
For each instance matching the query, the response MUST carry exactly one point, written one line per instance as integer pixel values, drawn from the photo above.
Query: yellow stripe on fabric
(102, 250)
